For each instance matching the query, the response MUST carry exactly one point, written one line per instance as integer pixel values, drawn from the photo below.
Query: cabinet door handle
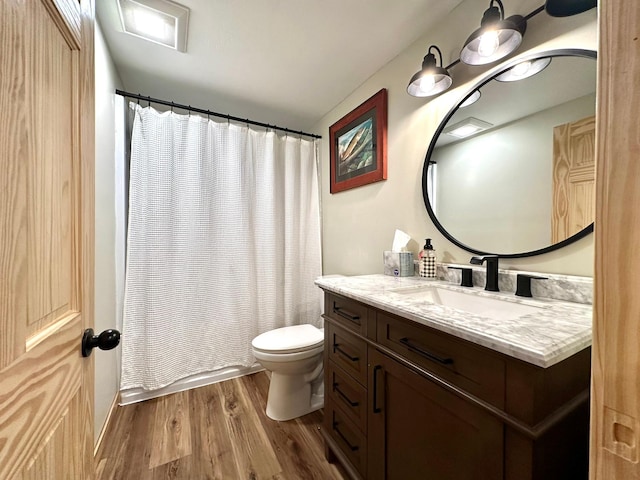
(344, 396)
(352, 447)
(431, 356)
(336, 346)
(376, 409)
(346, 314)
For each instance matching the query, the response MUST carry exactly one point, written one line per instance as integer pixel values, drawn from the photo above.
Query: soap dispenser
(428, 260)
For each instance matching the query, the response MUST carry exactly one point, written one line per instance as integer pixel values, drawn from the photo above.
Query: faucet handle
(467, 276)
(523, 284)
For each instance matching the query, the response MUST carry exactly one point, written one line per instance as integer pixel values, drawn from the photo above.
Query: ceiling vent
(467, 127)
(159, 21)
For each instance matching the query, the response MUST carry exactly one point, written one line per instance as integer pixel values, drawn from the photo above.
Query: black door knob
(105, 341)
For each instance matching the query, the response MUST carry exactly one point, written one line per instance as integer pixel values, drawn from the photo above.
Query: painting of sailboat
(355, 148)
(358, 145)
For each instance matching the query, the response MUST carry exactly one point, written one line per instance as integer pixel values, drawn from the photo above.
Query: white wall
(516, 217)
(358, 224)
(107, 363)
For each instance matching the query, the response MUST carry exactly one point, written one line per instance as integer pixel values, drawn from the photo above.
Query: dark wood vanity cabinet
(432, 406)
(420, 430)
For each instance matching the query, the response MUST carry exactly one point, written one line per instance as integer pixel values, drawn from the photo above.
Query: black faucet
(492, 271)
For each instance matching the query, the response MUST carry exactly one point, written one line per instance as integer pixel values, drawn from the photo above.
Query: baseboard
(107, 421)
(135, 395)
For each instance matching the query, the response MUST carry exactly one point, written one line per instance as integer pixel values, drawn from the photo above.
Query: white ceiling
(279, 61)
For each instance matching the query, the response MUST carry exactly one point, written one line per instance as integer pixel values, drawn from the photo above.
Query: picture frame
(358, 145)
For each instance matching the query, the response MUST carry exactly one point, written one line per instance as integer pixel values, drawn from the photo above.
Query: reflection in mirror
(513, 173)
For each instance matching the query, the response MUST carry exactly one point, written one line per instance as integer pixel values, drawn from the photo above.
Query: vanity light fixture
(467, 127)
(565, 8)
(159, 21)
(496, 38)
(431, 79)
(471, 99)
(524, 70)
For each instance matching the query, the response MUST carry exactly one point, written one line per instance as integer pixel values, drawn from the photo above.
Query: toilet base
(291, 396)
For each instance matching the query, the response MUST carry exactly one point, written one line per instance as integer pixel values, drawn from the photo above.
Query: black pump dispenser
(428, 260)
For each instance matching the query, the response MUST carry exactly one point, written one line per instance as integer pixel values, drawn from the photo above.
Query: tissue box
(398, 264)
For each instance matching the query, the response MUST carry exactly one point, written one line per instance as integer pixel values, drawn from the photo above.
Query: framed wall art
(358, 145)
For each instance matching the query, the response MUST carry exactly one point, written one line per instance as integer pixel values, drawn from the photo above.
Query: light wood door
(615, 399)
(574, 174)
(46, 238)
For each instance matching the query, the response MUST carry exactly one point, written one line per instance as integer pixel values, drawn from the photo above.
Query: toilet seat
(294, 339)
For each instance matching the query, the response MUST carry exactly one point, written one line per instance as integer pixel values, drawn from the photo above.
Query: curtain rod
(214, 114)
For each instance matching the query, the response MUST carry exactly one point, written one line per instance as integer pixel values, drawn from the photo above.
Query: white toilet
(294, 357)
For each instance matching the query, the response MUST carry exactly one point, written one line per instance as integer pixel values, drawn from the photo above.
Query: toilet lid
(289, 339)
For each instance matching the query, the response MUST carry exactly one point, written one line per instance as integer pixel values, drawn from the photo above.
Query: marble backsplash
(567, 288)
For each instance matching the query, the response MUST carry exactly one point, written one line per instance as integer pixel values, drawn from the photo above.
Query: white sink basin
(468, 302)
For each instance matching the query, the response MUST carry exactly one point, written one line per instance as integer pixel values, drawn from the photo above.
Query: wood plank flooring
(217, 432)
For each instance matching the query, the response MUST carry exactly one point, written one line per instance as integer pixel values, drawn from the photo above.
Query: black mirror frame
(566, 52)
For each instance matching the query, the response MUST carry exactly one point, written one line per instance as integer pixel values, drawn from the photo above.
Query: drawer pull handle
(376, 409)
(431, 356)
(352, 447)
(346, 314)
(336, 346)
(342, 394)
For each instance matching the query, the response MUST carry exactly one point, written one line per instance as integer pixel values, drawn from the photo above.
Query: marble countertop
(557, 329)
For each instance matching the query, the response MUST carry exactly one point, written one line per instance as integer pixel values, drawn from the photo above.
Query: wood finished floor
(219, 431)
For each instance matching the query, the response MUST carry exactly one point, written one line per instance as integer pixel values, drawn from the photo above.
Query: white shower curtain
(223, 244)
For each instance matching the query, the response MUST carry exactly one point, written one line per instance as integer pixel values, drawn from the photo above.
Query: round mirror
(511, 169)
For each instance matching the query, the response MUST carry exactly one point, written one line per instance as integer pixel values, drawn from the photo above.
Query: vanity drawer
(348, 395)
(348, 352)
(467, 366)
(349, 313)
(350, 440)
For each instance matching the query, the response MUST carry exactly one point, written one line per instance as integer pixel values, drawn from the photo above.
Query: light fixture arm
(492, 14)
(499, 2)
(437, 50)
